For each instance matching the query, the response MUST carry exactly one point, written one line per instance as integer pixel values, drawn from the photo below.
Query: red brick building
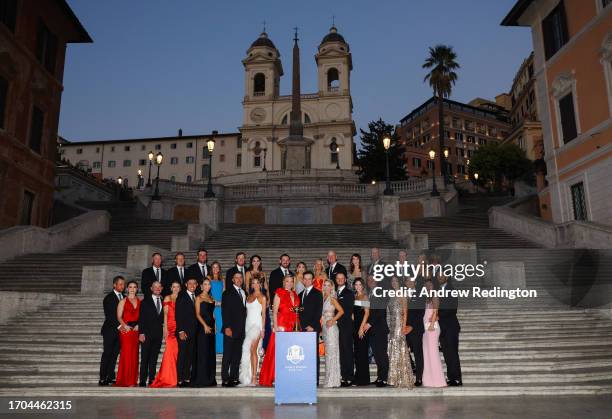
(467, 126)
(33, 39)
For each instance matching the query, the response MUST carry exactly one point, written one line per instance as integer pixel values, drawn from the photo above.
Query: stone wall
(14, 304)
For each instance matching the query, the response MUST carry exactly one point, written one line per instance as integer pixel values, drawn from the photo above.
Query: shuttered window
(568, 118)
(554, 28)
(36, 129)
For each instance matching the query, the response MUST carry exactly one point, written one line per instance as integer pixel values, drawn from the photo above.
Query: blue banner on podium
(295, 377)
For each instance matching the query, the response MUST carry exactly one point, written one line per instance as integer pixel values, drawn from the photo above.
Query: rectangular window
(578, 201)
(127, 163)
(96, 165)
(97, 150)
(256, 161)
(189, 159)
(416, 162)
(205, 171)
(469, 125)
(46, 48)
(205, 152)
(471, 139)
(113, 148)
(606, 3)
(459, 136)
(157, 146)
(446, 135)
(430, 164)
(238, 142)
(36, 129)
(173, 146)
(142, 162)
(126, 148)
(239, 160)
(3, 99)
(143, 147)
(8, 13)
(27, 205)
(173, 160)
(221, 157)
(79, 151)
(482, 141)
(189, 145)
(554, 30)
(111, 163)
(568, 118)
(334, 158)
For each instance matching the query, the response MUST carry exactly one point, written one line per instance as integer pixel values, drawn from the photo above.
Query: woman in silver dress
(400, 371)
(332, 311)
(354, 270)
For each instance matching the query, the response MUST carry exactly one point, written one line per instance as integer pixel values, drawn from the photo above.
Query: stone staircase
(518, 351)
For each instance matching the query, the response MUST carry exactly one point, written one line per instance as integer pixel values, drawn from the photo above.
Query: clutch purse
(428, 324)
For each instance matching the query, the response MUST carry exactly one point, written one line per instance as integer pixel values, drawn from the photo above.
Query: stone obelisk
(296, 154)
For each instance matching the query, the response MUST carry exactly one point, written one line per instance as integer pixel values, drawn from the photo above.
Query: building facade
(467, 126)
(33, 39)
(326, 118)
(572, 42)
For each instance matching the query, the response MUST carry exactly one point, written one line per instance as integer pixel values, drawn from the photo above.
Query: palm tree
(441, 78)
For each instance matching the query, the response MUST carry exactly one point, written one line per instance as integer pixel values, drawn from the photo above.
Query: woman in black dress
(361, 312)
(206, 363)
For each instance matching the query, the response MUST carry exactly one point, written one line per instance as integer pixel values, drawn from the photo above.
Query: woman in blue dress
(217, 285)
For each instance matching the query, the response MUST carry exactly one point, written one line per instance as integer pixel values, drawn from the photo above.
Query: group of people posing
(200, 312)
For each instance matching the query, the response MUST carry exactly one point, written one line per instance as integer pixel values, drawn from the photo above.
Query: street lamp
(119, 183)
(387, 144)
(211, 146)
(476, 177)
(139, 178)
(158, 162)
(265, 151)
(151, 157)
(434, 188)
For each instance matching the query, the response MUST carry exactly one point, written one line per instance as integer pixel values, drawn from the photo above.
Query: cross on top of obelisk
(296, 34)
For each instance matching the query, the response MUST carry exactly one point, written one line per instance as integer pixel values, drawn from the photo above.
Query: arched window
(257, 154)
(306, 118)
(205, 171)
(333, 80)
(259, 84)
(188, 179)
(333, 147)
(172, 179)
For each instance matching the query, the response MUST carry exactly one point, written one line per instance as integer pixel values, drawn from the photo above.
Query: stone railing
(21, 240)
(572, 234)
(414, 185)
(185, 190)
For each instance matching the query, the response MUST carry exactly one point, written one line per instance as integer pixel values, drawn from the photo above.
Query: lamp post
(434, 188)
(448, 171)
(158, 162)
(387, 144)
(139, 178)
(211, 146)
(151, 157)
(119, 183)
(265, 151)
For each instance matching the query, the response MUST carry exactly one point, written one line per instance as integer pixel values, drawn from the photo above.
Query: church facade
(322, 136)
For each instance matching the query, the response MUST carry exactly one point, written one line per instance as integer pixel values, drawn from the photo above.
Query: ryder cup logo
(295, 354)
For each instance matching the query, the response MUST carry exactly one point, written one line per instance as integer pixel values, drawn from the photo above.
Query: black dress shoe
(381, 384)
(184, 384)
(142, 385)
(102, 383)
(454, 383)
(235, 383)
(344, 384)
(418, 383)
(227, 384)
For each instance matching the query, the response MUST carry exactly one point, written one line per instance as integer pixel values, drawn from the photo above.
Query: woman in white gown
(254, 330)
(332, 311)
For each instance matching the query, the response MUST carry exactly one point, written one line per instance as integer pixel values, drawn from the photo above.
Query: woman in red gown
(284, 319)
(166, 376)
(128, 312)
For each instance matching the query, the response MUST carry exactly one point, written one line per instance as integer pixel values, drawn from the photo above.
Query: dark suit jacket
(338, 268)
(111, 323)
(276, 281)
(150, 323)
(313, 309)
(185, 315)
(378, 314)
(447, 312)
(230, 274)
(148, 277)
(233, 312)
(416, 308)
(347, 300)
(172, 275)
(194, 271)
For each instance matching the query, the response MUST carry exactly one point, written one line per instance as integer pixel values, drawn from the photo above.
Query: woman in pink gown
(167, 377)
(284, 319)
(128, 312)
(433, 376)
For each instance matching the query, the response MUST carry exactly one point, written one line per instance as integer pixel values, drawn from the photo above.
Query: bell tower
(262, 70)
(334, 65)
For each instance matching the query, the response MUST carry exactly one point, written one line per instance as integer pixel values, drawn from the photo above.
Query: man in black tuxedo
(414, 339)
(110, 332)
(186, 332)
(150, 333)
(233, 311)
(200, 269)
(449, 332)
(378, 329)
(346, 298)
(152, 274)
(239, 267)
(334, 267)
(277, 276)
(312, 309)
(178, 273)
